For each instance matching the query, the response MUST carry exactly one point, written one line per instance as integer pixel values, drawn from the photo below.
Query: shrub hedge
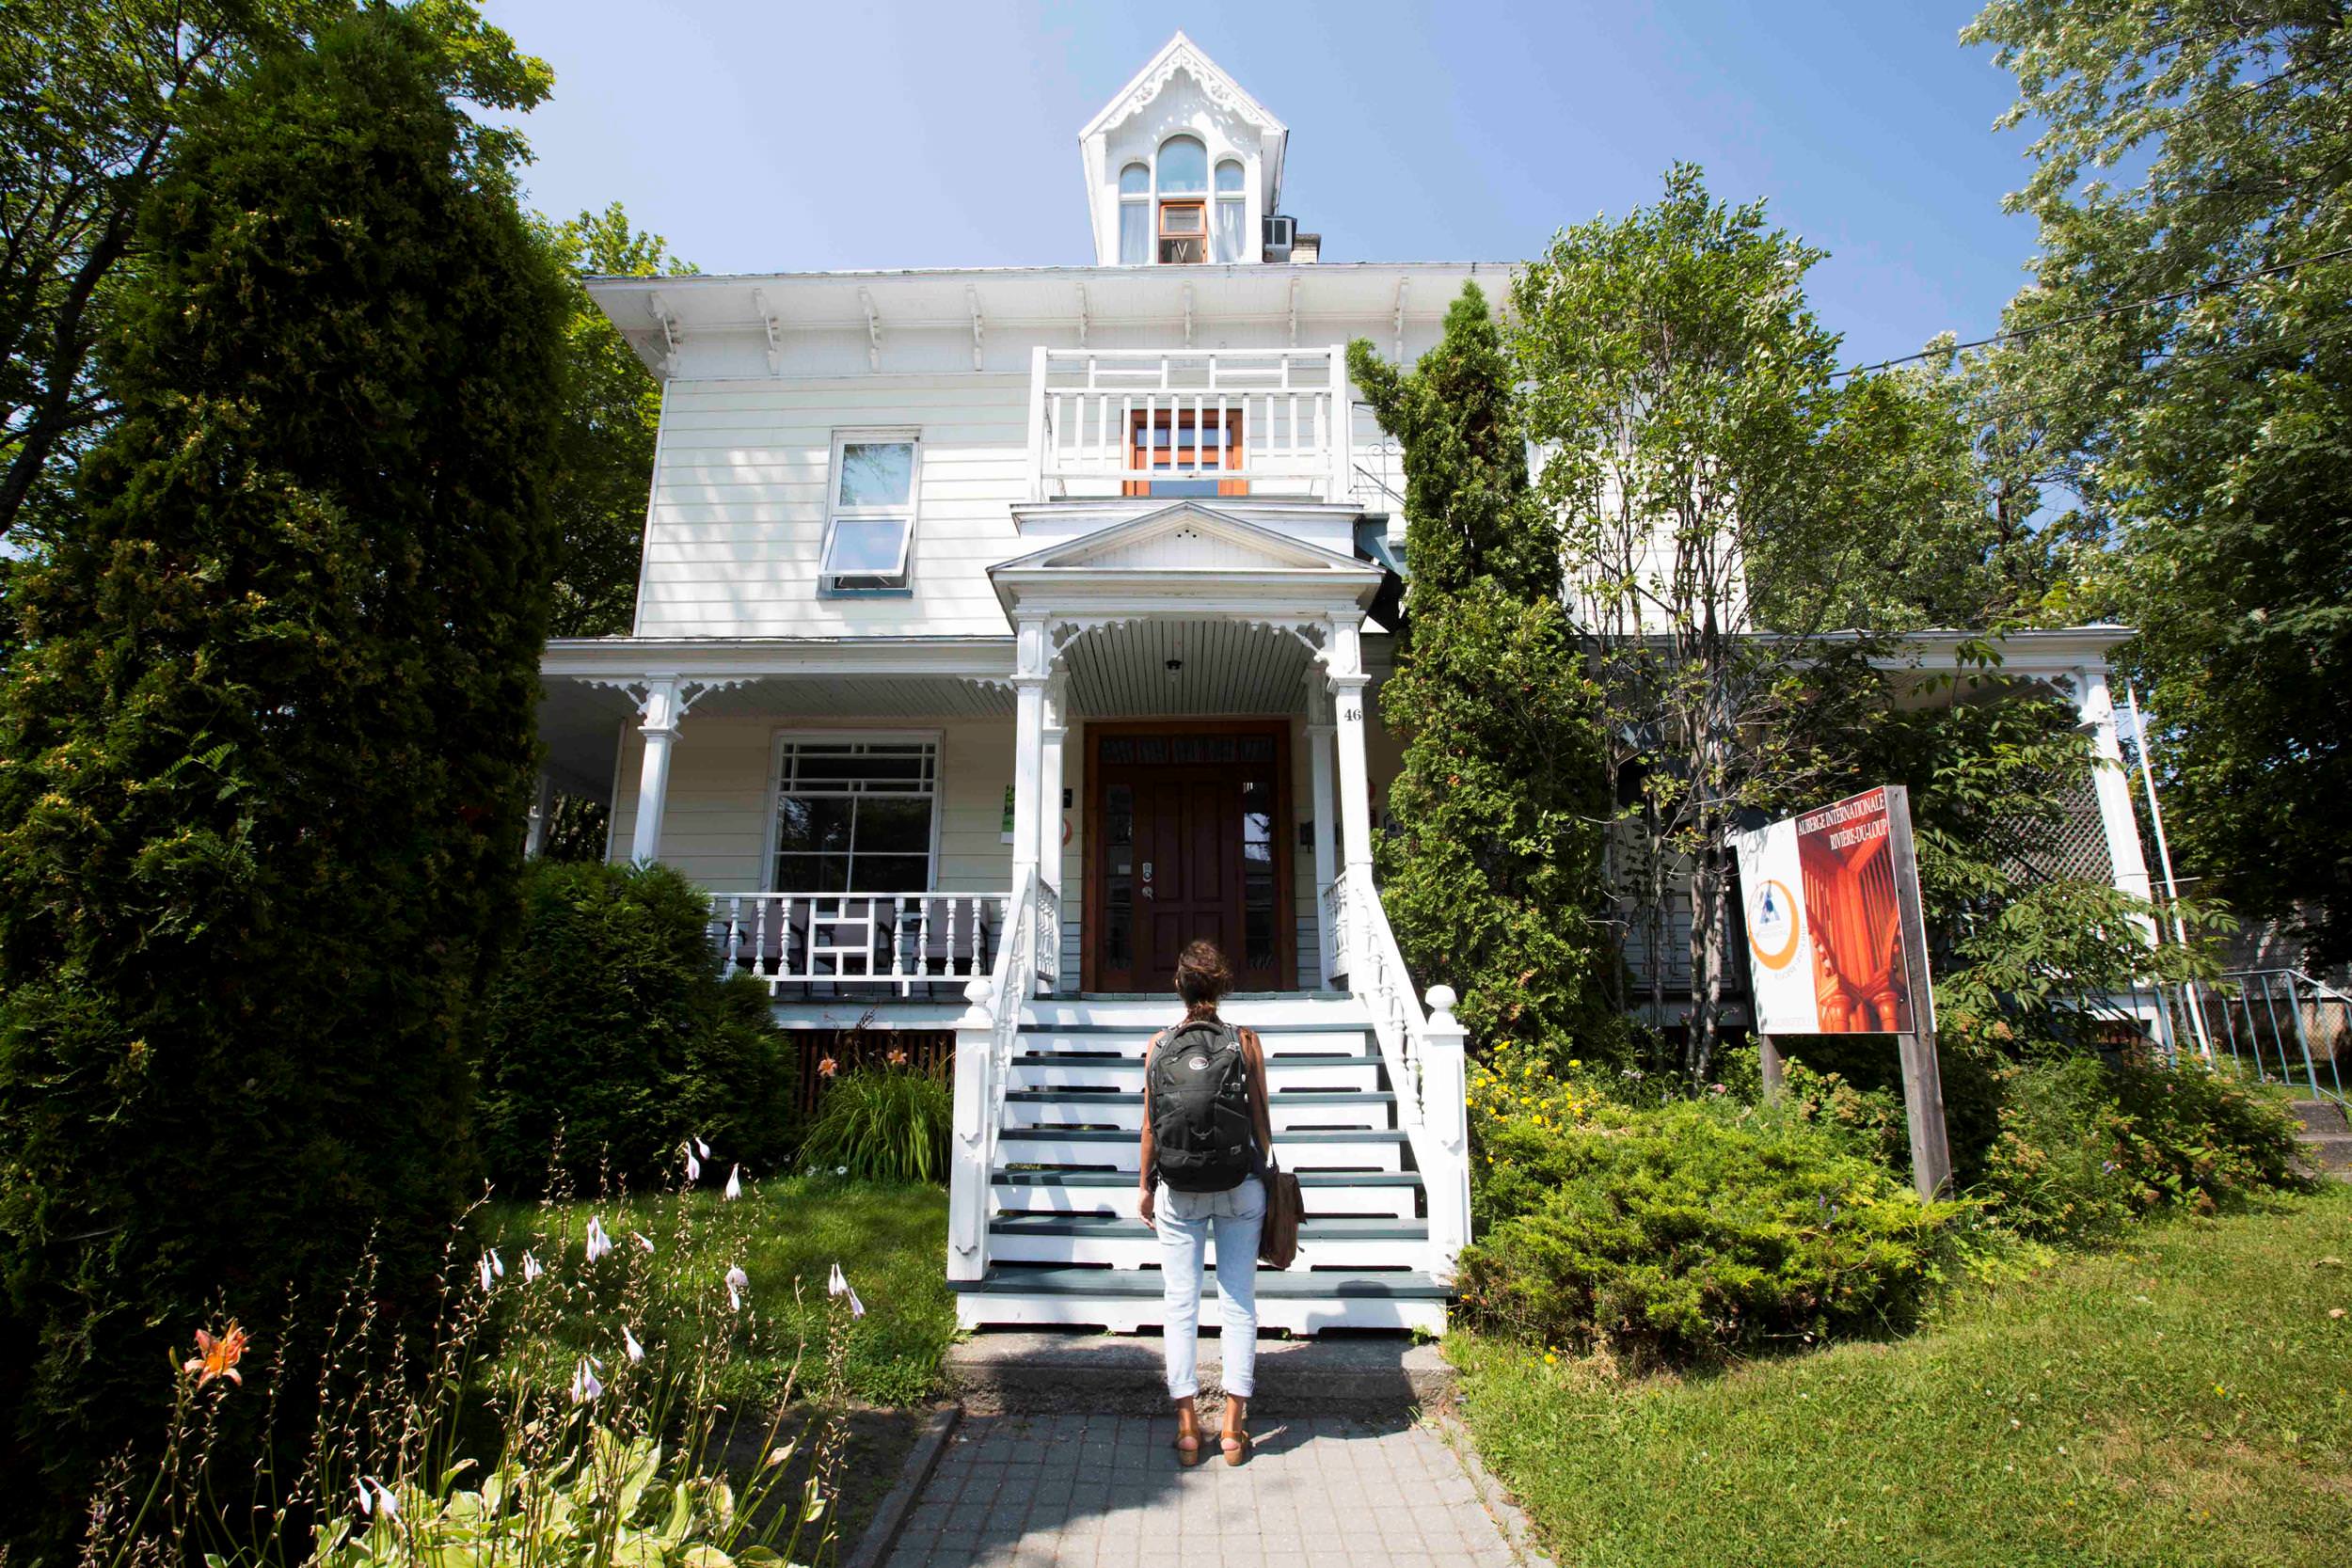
(1692, 1231)
(611, 1035)
(2086, 1146)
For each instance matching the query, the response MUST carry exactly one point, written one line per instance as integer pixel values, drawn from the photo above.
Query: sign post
(1837, 945)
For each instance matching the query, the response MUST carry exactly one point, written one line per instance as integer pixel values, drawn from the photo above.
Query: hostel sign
(1837, 945)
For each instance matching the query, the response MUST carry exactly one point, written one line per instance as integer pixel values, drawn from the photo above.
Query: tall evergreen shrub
(612, 1036)
(267, 739)
(1492, 881)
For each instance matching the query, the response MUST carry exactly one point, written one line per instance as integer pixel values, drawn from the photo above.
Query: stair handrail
(1424, 1054)
(2319, 994)
(985, 1037)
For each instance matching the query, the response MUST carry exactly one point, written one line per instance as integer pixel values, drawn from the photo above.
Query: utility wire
(2216, 286)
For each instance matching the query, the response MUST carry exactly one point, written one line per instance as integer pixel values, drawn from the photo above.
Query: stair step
(1391, 1194)
(1120, 1135)
(1320, 1040)
(1369, 1149)
(1127, 1178)
(1161, 1010)
(1065, 1070)
(1292, 1110)
(1345, 1242)
(1051, 1279)
(1342, 1229)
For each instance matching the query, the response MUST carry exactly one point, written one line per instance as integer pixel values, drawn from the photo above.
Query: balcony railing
(886, 941)
(1261, 423)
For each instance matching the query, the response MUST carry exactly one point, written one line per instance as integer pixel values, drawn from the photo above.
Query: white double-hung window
(869, 530)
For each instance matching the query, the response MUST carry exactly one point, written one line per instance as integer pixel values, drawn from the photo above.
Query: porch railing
(892, 940)
(1276, 422)
(1422, 1052)
(2284, 1026)
(985, 1038)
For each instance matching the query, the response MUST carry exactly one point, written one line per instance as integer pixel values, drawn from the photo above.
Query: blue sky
(786, 135)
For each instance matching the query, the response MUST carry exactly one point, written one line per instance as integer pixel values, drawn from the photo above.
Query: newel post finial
(1441, 1000)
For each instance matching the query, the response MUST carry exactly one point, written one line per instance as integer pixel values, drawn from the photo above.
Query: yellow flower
(1549, 1360)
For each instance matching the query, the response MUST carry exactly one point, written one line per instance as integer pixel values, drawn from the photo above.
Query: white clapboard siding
(736, 523)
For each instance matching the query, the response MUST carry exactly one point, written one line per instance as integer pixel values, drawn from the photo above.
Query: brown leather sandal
(1188, 1427)
(1235, 1446)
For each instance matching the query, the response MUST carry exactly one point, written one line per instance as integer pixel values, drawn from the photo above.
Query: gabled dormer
(1185, 168)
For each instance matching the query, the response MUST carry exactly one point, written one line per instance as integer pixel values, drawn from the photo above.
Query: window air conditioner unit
(1281, 232)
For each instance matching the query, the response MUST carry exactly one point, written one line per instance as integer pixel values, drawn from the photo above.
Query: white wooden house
(999, 630)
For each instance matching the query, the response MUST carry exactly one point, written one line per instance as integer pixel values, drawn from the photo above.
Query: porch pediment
(1186, 549)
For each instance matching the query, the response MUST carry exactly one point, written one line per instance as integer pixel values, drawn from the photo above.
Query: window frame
(789, 735)
(1136, 201)
(897, 584)
(1201, 236)
(1220, 198)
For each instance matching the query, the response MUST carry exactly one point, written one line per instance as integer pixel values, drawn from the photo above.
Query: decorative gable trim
(1186, 553)
(1179, 54)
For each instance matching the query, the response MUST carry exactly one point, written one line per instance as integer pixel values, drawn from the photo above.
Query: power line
(2217, 286)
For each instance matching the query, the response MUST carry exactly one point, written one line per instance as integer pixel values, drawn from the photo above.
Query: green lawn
(785, 1235)
(2186, 1399)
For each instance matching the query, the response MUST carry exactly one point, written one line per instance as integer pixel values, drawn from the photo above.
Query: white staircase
(1049, 1108)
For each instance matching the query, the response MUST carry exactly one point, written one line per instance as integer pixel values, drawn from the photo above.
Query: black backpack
(1202, 1138)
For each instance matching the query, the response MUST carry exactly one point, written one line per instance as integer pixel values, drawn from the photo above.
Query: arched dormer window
(1183, 192)
(1233, 210)
(1134, 215)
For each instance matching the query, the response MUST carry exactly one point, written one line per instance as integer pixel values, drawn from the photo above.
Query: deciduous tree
(2188, 332)
(605, 445)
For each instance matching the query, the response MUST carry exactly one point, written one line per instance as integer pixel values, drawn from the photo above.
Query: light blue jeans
(1187, 1223)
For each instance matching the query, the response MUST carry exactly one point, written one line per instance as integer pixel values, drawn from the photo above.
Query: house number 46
(1351, 713)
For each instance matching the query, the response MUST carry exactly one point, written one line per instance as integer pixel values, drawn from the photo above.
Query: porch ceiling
(1226, 666)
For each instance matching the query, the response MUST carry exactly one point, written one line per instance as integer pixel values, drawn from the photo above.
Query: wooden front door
(1185, 843)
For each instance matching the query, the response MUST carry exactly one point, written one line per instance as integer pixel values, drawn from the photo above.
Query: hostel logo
(1773, 926)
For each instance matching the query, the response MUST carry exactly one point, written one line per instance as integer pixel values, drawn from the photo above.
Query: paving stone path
(1106, 1492)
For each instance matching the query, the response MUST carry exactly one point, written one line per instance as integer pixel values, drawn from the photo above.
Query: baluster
(735, 940)
(923, 935)
(979, 938)
(760, 935)
(898, 923)
(1200, 438)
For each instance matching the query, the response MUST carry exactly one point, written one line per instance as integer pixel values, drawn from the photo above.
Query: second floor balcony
(1272, 424)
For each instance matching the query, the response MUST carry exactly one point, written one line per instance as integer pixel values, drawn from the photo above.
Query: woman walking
(1206, 1137)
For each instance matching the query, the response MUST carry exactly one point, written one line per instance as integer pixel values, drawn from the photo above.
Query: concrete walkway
(1106, 1492)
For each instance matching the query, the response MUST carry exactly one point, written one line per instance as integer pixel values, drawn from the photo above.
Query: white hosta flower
(586, 1389)
(694, 1165)
(838, 1284)
(629, 1346)
(642, 1239)
(375, 1499)
(734, 1183)
(599, 1242)
(481, 1271)
(498, 1264)
(531, 1268)
(737, 1283)
(841, 1170)
(702, 1148)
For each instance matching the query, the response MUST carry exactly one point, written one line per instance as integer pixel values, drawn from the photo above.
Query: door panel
(1189, 850)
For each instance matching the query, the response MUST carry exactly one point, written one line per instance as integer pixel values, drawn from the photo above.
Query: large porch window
(855, 814)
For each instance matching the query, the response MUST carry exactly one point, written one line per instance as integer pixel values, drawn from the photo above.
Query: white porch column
(542, 802)
(1050, 733)
(1320, 733)
(1032, 668)
(1343, 658)
(2096, 707)
(660, 711)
